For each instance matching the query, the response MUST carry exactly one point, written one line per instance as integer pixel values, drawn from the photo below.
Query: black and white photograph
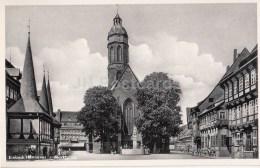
(130, 82)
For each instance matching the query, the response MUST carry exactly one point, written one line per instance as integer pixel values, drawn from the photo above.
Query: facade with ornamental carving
(225, 123)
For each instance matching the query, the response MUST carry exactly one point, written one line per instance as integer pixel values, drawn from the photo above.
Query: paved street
(82, 155)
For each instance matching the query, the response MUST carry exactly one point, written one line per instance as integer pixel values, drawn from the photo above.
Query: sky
(193, 43)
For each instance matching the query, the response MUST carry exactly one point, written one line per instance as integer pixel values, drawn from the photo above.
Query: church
(123, 82)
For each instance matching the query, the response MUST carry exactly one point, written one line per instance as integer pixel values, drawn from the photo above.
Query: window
(11, 93)
(256, 106)
(111, 54)
(245, 110)
(233, 114)
(223, 140)
(251, 107)
(206, 142)
(253, 77)
(210, 99)
(118, 75)
(229, 114)
(254, 137)
(241, 84)
(222, 115)
(212, 141)
(248, 142)
(119, 53)
(7, 91)
(237, 139)
(238, 112)
(202, 142)
(247, 80)
(230, 90)
(216, 140)
(235, 87)
(226, 92)
(15, 95)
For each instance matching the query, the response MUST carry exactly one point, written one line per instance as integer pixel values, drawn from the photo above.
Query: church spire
(49, 95)
(43, 97)
(28, 85)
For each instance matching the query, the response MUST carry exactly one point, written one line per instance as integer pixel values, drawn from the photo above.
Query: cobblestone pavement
(82, 155)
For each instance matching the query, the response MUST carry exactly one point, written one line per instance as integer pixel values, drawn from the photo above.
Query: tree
(100, 115)
(160, 116)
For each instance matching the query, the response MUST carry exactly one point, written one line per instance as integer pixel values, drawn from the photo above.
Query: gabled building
(241, 102)
(71, 135)
(211, 118)
(12, 79)
(183, 141)
(31, 126)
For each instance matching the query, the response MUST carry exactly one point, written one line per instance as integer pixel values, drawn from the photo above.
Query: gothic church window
(118, 53)
(111, 54)
(125, 54)
(129, 115)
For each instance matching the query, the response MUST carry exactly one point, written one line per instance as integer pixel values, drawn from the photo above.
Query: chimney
(235, 55)
(227, 67)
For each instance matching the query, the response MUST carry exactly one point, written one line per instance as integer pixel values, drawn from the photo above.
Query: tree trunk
(154, 148)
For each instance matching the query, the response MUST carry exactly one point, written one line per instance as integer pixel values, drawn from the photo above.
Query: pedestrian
(29, 154)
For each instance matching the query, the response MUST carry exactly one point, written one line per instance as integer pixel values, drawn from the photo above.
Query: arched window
(111, 54)
(129, 115)
(119, 53)
(125, 55)
(118, 75)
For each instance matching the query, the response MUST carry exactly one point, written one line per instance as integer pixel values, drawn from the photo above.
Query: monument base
(132, 151)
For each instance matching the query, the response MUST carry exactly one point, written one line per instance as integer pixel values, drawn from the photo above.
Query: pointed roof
(234, 67)
(49, 97)
(28, 85)
(43, 97)
(117, 27)
(28, 101)
(117, 17)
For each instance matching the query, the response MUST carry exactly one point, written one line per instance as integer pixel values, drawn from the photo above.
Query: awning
(71, 145)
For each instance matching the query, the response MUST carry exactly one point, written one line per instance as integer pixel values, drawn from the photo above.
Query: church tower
(117, 50)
